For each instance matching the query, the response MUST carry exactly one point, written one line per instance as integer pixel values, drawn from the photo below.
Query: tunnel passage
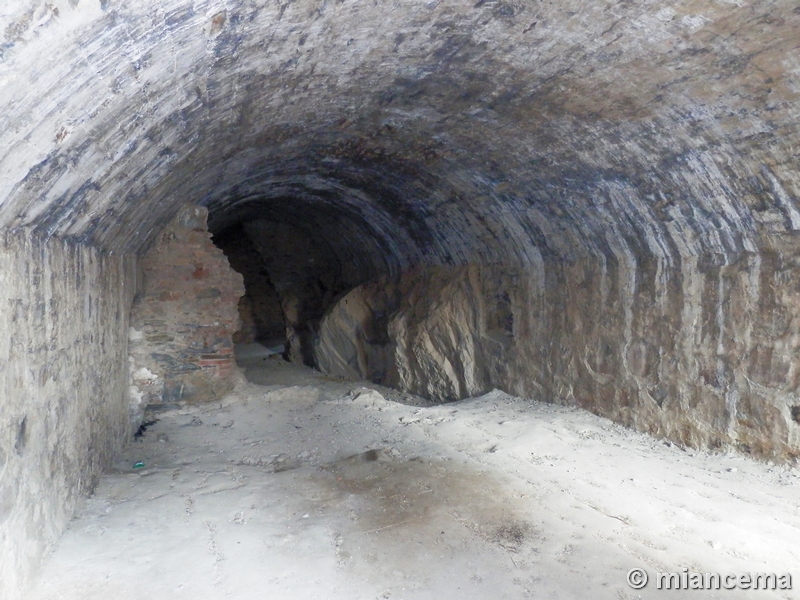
(260, 311)
(314, 244)
(590, 203)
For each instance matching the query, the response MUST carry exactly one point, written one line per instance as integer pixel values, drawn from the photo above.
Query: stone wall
(634, 166)
(182, 323)
(63, 389)
(705, 356)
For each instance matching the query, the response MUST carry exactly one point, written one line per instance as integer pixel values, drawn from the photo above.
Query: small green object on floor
(139, 465)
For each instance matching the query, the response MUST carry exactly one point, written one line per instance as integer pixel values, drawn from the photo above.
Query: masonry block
(183, 321)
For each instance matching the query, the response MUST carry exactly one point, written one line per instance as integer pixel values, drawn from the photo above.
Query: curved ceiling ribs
(668, 129)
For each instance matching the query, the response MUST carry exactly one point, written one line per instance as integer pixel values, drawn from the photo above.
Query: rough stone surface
(446, 131)
(646, 146)
(627, 171)
(182, 324)
(63, 389)
(708, 363)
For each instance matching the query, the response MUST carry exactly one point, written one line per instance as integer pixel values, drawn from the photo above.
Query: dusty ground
(298, 486)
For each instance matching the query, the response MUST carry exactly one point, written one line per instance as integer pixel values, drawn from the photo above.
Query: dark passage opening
(262, 318)
(292, 275)
(299, 254)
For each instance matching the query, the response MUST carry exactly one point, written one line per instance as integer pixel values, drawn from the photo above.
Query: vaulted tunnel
(589, 203)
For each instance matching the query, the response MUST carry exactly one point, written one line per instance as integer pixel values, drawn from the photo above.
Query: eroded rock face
(183, 321)
(707, 359)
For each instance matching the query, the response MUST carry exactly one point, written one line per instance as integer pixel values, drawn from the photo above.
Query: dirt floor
(299, 486)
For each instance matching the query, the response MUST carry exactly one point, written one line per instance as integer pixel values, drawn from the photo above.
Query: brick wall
(183, 321)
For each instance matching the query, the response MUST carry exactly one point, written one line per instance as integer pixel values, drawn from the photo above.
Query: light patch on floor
(308, 487)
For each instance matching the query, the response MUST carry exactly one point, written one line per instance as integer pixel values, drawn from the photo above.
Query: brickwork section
(182, 324)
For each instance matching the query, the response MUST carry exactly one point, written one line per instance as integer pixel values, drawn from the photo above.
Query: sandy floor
(305, 487)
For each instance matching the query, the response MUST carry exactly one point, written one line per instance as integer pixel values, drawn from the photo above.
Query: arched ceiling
(444, 131)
